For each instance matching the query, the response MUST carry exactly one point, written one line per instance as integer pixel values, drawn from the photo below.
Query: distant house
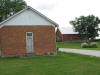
(27, 32)
(69, 35)
(59, 36)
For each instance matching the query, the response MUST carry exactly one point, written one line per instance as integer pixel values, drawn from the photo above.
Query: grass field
(63, 64)
(74, 45)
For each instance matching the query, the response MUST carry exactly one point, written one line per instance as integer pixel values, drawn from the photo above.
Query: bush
(89, 45)
(84, 45)
(94, 45)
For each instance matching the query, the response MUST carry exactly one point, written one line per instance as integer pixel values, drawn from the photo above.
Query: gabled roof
(67, 30)
(28, 7)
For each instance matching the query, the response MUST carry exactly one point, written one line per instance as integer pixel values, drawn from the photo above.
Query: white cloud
(46, 7)
(62, 11)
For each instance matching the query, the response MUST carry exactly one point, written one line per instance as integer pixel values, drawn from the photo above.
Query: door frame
(32, 42)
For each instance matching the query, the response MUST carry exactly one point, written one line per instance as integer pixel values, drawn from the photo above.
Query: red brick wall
(13, 39)
(59, 36)
(72, 37)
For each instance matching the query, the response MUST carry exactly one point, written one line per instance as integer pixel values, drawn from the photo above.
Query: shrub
(89, 45)
(84, 45)
(94, 45)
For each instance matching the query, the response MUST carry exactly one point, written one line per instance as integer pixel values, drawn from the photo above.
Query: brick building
(68, 35)
(27, 32)
(59, 36)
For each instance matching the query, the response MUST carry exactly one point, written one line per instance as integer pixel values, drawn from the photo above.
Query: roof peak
(28, 7)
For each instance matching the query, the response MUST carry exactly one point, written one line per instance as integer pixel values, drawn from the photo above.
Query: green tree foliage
(86, 26)
(10, 7)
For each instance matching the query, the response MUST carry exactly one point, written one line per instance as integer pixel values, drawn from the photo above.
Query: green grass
(74, 45)
(63, 64)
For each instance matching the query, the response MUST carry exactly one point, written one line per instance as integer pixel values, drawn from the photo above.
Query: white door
(29, 42)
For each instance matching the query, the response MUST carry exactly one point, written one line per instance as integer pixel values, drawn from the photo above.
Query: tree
(86, 26)
(10, 7)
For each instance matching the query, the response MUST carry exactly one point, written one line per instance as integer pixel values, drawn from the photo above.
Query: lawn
(63, 64)
(74, 45)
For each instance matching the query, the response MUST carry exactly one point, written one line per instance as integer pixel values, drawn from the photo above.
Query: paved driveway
(85, 52)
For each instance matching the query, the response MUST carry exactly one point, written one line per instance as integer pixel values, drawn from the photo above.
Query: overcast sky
(62, 11)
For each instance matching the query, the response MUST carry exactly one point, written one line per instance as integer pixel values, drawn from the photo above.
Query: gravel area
(79, 51)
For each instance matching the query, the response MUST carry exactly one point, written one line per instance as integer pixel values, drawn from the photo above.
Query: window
(29, 34)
